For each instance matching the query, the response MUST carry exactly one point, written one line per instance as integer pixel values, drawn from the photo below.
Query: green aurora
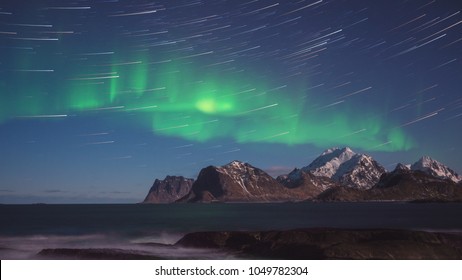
(198, 105)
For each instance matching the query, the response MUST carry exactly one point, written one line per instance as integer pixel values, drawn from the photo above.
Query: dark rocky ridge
(169, 190)
(94, 254)
(317, 244)
(331, 244)
(400, 185)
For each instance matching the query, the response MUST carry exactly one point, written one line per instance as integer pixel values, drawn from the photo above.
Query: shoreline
(308, 243)
(151, 231)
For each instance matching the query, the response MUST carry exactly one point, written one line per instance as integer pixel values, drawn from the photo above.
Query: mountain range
(338, 174)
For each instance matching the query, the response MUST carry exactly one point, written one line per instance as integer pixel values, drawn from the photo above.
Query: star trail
(108, 95)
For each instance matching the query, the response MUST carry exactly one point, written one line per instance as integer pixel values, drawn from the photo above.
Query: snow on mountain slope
(436, 168)
(238, 182)
(347, 167)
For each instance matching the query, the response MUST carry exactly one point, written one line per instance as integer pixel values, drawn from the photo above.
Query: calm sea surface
(26, 229)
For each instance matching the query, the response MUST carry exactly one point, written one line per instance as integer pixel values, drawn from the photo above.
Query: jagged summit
(347, 167)
(436, 168)
(169, 189)
(403, 167)
(236, 164)
(337, 150)
(238, 168)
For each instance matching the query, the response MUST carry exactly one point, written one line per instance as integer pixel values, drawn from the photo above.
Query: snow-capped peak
(237, 168)
(403, 167)
(236, 164)
(436, 168)
(328, 163)
(337, 151)
(346, 166)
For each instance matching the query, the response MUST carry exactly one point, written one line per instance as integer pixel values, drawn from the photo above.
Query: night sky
(98, 98)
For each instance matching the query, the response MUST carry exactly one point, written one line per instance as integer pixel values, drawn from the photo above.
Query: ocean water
(27, 229)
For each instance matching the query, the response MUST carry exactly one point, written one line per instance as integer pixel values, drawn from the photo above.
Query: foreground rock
(331, 244)
(94, 254)
(318, 244)
(169, 190)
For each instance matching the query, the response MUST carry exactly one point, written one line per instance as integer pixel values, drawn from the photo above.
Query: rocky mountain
(336, 175)
(169, 189)
(402, 184)
(435, 168)
(237, 182)
(347, 168)
(305, 181)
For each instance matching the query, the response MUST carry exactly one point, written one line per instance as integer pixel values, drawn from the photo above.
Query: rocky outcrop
(331, 244)
(316, 243)
(94, 254)
(169, 190)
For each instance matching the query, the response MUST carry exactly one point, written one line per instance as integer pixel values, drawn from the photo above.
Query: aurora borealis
(212, 105)
(129, 91)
